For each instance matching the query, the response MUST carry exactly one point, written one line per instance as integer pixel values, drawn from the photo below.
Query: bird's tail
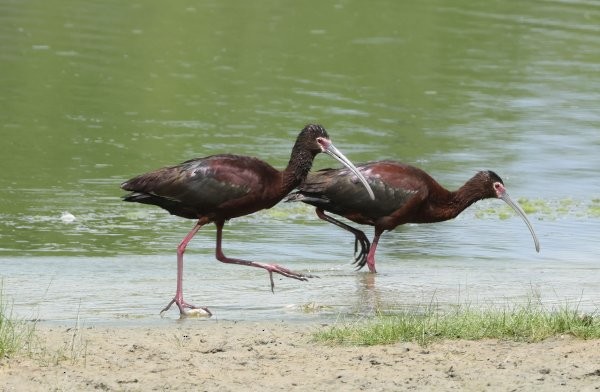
(173, 206)
(137, 197)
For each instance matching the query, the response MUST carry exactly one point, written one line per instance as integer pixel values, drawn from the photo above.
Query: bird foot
(186, 309)
(285, 272)
(361, 259)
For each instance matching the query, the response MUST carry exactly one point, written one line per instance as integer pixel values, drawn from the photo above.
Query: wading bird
(220, 187)
(403, 194)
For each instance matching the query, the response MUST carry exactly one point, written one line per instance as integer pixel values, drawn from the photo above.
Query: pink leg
(178, 299)
(269, 267)
(359, 238)
(371, 256)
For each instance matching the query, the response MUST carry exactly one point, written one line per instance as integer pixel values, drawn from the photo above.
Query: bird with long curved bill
(403, 194)
(221, 187)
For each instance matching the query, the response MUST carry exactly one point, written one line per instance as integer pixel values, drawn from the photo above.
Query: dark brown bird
(403, 194)
(220, 187)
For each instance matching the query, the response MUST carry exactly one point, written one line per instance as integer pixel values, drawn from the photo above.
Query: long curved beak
(520, 211)
(334, 152)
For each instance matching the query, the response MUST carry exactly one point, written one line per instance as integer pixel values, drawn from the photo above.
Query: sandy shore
(207, 355)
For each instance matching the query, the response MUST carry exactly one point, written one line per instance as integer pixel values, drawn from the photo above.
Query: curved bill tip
(334, 152)
(520, 211)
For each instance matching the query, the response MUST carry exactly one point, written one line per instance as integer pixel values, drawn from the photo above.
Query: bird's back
(339, 191)
(219, 186)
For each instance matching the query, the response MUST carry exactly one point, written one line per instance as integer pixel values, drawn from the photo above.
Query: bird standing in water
(403, 194)
(220, 187)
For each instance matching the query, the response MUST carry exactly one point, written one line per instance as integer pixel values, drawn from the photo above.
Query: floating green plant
(594, 208)
(545, 209)
(535, 206)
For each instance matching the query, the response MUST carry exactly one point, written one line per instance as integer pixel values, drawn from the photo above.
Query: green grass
(527, 323)
(19, 336)
(15, 334)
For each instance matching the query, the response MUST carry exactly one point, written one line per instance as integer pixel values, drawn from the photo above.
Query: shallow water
(95, 93)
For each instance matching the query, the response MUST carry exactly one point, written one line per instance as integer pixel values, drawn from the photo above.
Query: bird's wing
(339, 190)
(204, 184)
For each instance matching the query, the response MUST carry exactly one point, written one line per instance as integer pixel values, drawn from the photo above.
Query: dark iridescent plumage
(221, 187)
(403, 194)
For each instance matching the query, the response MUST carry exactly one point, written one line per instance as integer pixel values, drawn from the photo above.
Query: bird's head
(491, 184)
(314, 138)
(494, 188)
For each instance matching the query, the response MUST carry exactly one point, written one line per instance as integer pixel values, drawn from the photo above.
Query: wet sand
(207, 355)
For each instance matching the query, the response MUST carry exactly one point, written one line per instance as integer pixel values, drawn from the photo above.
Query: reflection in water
(368, 297)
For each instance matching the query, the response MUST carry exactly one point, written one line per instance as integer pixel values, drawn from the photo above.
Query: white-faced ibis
(220, 187)
(403, 194)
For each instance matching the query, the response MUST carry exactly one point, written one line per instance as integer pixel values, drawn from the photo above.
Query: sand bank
(210, 355)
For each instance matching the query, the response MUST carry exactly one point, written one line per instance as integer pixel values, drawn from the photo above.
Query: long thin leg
(269, 267)
(359, 238)
(178, 299)
(371, 257)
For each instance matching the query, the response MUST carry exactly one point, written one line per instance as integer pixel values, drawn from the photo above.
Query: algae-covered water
(93, 93)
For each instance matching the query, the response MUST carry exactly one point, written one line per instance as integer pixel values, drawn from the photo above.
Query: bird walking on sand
(403, 194)
(221, 187)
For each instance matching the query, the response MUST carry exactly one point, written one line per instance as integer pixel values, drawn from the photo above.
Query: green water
(93, 93)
